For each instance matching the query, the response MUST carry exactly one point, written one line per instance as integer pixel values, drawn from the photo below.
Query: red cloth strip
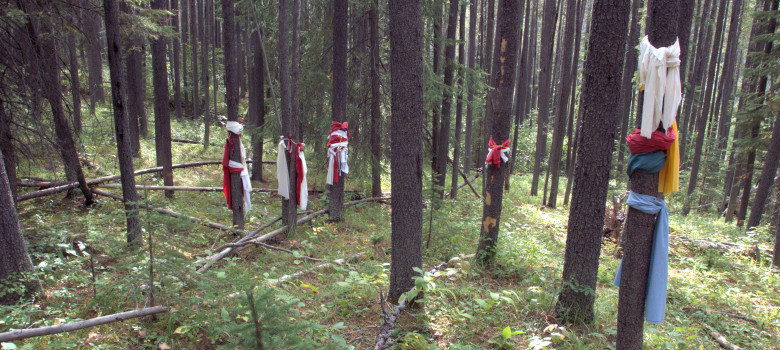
(658, 141)
(230, 143)
(494, 156)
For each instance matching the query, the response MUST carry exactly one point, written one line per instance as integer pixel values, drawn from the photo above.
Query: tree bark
(135, 90)
(663, 16)
(406, 138)
(564, 89)
(467, 154)
(75, 86)
(15, 263)
(121, 124)
(257, 106)
(520, 83)
(162, 109)
(177, 104)
(591, 175)
(231, 98)
(703, 44)
(767, 176)
(545, 89)
(288, 127)
(504, 63)
(701, 122)
(94, 60)
(185, 19)
(205, 37)
(443, 139)
(627, 84)
(459, 104)
(339, 96)
(194, 50)
(376, 97)
(7, 148)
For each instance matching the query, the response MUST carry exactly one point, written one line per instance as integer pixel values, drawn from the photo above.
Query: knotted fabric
(659, 141)
(669, 177)
(497, 153)
(282, 172)
(657, 276)
(338, 141)
(649, 163)
(229, 166)
(659, 75)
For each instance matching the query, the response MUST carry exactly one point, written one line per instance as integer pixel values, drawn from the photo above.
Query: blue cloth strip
(655, 297)
(650, 162)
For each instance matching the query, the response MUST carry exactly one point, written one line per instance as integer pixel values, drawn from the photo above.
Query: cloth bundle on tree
(229, 166)
(659, 76)
(498, 153)
(338, 141)
(282, 171)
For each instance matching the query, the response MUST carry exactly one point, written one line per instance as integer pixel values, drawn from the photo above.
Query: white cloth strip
(234, 127)
(659, 74)
(304, 195)
(246, 184)
(342, 133)
(337, 151)
(282, 173)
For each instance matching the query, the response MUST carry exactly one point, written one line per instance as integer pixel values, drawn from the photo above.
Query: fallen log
(342, 261)
(745, 318)
(169, 212)
(722, 246)
(724, 343)
(467, 182)
(196, 189)
(69, 327)
(239, 246)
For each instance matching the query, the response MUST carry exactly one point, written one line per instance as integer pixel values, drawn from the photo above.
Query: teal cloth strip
(650, 162)
(655, 297)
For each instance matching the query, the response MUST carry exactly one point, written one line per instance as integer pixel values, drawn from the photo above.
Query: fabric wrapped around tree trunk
(669, 177)
(338, 141)
(649, 163)
(659, 141)
(229, 166)
(497, 153)
(282, 172)
(657, 276)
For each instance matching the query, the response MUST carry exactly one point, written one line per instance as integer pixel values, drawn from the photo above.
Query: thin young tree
(504, 62)
(7, 148)
(194, 51)
(94, 44)
(134, 76)
(162, 109)
(406, 139)
(594, 155)
(545, 89)
(121, 123)
(231, 99)
(627, 81)
(663, 16)
(203, 9)
(459, 104)
(767, 176)
(443, 139)
(289, 127)
(339, 96)
(177, 104)
(75, 86)
(467, 164)
(15, 263)
(257, 105)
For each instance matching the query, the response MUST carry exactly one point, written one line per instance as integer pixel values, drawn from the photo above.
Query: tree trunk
(545, 89)
(572, 131)
(467, 154)
(436, 115)
(663, 16)
(205, 35)
(94, 60)
(520, 84)
(443, 139)
(288, 127)
(701, 122)
(231, 98)
(504, 63)
(627, 84)
(162, 109)
(121, 124)
(257, 106)
(7, 148)
(339, 97)
(193, 27)
(406, 138)
(703, 44)
(135, 91)
(727, 76)
(459, 104)
(594, 155)
(177, 104)
(15, 263)
(75, 86)
(49, 79)
(564, 89)
(767, 176)
(376, 97)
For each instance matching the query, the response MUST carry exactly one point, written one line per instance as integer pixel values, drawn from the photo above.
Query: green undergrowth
(87, 271)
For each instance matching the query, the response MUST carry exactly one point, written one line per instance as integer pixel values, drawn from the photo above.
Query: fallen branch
(467, 182)
(722, 246)
(169, 212)
(247, 242)
(724, 343)
(195, 189)
(745, 318)
(69, 327)
(387, 327)
(320, 266)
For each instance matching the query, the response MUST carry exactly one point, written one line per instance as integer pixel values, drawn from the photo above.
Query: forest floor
(87, 270)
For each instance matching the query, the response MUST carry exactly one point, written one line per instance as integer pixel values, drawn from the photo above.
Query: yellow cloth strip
(669, 177)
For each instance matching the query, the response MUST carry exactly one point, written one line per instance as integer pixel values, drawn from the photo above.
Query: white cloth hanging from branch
(338, 153)
(229, 166)
(282, 172)
(659, 76)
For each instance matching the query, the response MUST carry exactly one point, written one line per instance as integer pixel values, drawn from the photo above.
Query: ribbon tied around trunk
(497, 153)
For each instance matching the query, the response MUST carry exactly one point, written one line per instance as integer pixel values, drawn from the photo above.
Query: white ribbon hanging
(237, 128)
(337, 151)
(282, 172)
(304, 195)
(659, 74)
